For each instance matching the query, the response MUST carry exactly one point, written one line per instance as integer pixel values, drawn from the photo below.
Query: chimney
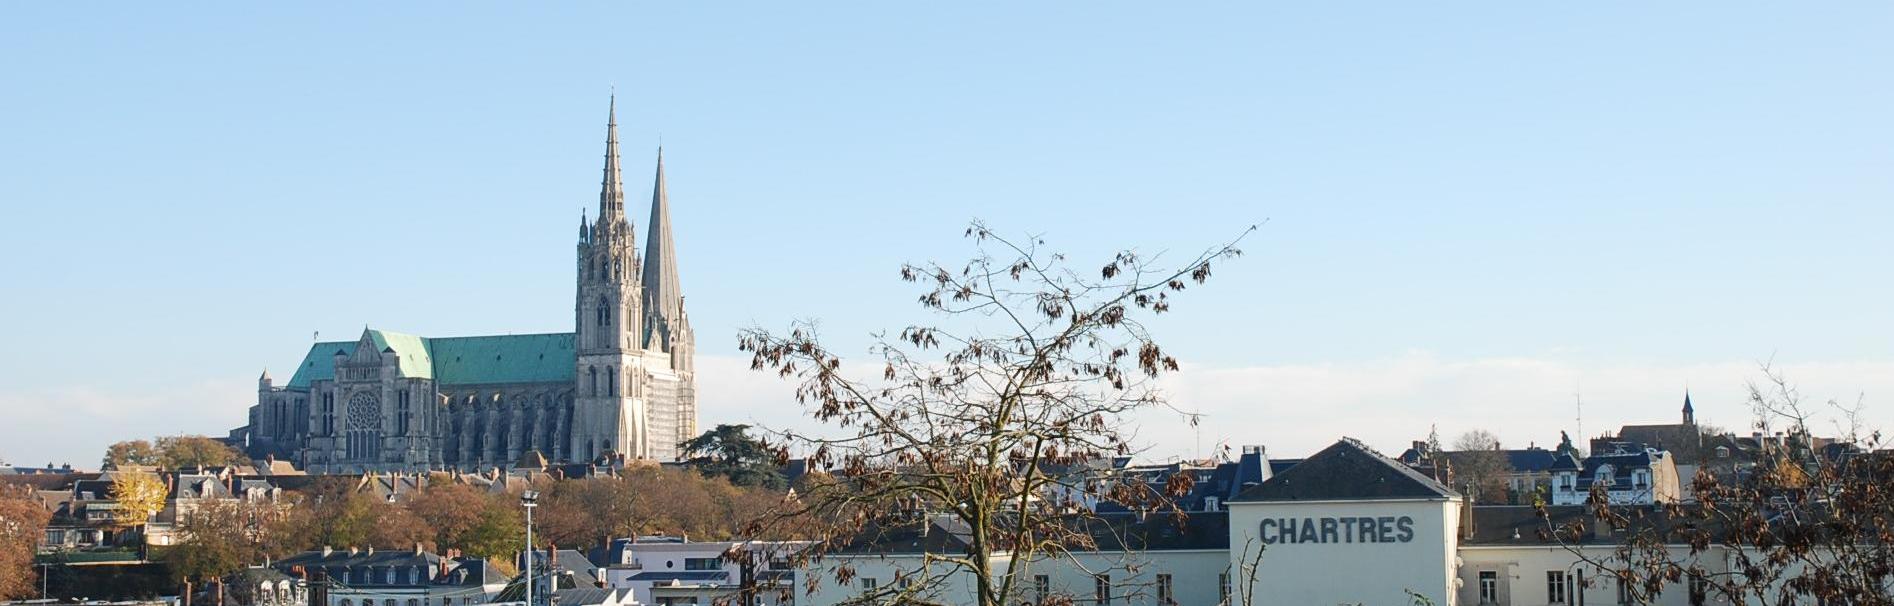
(371, 550)
(353, 551)
(417, 548)
(1466, 519)
(552, 557)
(326, 550)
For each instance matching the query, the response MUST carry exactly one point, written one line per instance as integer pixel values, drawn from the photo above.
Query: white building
(668, 571)
(1347, 525)
(1629, 474)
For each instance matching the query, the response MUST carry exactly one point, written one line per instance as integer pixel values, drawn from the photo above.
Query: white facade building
(665, 571)
(1344, 526)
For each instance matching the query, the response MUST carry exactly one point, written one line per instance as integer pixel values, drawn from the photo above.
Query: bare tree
(1038, 366)
(1480, 467)
(1801, 518)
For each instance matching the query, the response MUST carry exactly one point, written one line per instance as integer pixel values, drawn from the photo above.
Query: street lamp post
(529, 499)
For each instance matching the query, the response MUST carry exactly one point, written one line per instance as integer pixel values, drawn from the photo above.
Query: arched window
(401, 412)
(346, 602)
(593, 373)
(611, 382)
(604, 312)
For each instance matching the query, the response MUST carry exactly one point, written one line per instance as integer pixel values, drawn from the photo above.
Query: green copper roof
(412, 349)
(540, 358)
(505, 359)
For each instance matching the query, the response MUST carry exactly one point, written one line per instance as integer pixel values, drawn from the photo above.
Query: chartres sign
(1384, 529)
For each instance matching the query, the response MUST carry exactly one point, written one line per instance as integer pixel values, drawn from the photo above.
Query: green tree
(181, 452)
(496, 534)
(130, 452)
(729, 451)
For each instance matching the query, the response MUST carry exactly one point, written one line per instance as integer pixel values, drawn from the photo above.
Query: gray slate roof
(1347, 470)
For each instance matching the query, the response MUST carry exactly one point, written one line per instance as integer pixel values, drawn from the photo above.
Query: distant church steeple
(611, 194)
(1690, 413)
(663, 297)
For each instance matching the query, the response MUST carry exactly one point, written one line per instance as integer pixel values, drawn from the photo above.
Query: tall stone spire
(611, 194)
(663, 298)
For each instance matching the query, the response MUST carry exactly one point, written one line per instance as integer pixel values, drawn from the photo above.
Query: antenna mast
(1578, 401)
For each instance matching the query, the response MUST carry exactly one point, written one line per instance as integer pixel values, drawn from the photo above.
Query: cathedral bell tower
(609, 415)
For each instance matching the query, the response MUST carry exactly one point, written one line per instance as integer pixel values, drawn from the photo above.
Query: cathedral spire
(662, 295)
(611, 195)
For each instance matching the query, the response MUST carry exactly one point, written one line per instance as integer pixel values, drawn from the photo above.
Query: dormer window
(1603, 476)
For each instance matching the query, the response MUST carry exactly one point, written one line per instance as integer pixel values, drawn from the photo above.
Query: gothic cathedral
(622, 383)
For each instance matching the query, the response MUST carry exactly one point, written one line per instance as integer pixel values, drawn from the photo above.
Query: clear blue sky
(1626, 196)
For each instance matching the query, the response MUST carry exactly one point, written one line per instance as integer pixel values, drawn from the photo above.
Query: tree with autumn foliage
(221, 537)
(22, 522)
(1030, 365)
(138, 496)
(1805, 520)
(173, 452)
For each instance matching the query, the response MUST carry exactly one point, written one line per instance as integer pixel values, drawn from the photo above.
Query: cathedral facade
(622, 383)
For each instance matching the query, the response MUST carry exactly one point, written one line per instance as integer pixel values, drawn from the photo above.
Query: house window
(1555, 587)
(1101, 589)
(703, 563)
(1489, 587)
(1164, 595)
(869, 584)
(1603, 475)
(1699, 589)
(1223, 587)
(1041, 588)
